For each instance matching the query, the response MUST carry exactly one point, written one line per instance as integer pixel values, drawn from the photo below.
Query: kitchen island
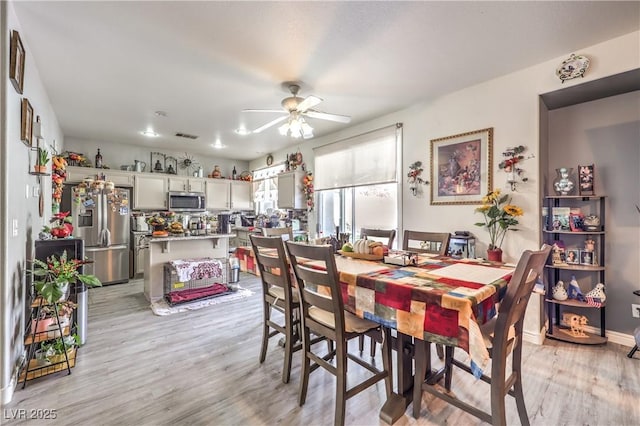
(164, 249)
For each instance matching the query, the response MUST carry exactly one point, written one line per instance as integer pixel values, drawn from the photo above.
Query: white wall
(15, 183)
(115, 155)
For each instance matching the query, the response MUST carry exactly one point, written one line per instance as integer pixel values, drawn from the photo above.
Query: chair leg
(448, 367)
(498, 393)
(440, 351)
(288, 352)
(341, 383)
(306, 366)
(633, 351)
(361, 343)
(420, 356)
(372, 350)
(387, 362)
(517, 386)
(265, 331)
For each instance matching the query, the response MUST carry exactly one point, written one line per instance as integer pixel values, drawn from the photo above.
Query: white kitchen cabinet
(290, 190)
(119, 178)
(150, 192)
(218, 194)
(241, 195)
(186, 184)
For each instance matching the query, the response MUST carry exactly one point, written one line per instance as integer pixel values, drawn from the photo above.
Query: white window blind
(365, 159)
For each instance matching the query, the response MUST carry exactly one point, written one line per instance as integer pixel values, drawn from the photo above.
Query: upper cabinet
(290, 190)
(241, 195)
(150, 192)
(119, 178)
(218, 194)
(186, 184)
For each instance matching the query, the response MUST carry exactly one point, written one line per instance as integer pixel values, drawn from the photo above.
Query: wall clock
(188, 164)
(269, 160)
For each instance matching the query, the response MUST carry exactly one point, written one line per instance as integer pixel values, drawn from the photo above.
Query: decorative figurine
(559, 292)
(589, 244)
(596, 294)
(576, 322)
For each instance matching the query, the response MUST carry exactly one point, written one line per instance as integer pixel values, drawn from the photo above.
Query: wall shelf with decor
(578, 259)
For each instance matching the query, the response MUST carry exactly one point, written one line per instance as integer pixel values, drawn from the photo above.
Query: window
(357, 183)
(265, 188)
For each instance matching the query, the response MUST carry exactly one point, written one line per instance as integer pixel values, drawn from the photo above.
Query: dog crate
(207, 278)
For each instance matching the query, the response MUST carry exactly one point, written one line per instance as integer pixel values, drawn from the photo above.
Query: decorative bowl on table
(364, 256)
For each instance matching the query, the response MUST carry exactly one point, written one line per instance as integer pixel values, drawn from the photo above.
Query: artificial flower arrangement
(58, 177)
(499, 217)
(307, 188)
(512, 157)
(60, 226)
(415, 170)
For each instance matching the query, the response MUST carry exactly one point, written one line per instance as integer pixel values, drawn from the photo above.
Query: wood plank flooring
(201, 368)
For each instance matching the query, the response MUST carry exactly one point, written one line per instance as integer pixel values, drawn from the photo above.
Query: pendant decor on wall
(573, 67)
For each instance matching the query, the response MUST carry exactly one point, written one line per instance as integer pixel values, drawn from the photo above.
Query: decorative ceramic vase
(563, 185)
(494, 255)
(559, 292)
(216, 172)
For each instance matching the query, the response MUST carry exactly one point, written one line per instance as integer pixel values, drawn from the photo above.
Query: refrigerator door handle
(94, 249)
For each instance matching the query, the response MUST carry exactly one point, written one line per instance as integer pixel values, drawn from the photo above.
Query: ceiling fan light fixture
(149, 133)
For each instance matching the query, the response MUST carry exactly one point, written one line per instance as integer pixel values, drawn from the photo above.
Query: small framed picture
(586, 257)
(26, 128)
(576, 222)
(585, 180)
(16, 62)
(573, 257)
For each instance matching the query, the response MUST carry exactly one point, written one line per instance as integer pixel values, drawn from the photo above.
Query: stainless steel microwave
(186, 201)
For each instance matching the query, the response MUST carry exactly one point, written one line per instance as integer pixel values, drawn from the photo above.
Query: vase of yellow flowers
(499, 217)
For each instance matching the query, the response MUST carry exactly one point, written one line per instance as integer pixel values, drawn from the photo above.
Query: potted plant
(54, 351)
(54, 276)
(499, 217)
(43, 159)
(61, 226)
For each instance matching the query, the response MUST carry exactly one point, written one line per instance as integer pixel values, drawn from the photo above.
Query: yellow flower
(512, 210)
(483, 208)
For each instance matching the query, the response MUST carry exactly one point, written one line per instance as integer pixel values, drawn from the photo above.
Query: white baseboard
(535, 338)
(6, 394)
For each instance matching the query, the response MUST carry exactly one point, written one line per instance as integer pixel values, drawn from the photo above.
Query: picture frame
(587, 257)
(585, 179)
(461, 167)
(576, 222)
(26, 128)
(16, 62)
(573, 257)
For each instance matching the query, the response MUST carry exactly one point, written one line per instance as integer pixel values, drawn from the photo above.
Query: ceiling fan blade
(308, 102)
(271, 123)
(326, 116)
(263, 110)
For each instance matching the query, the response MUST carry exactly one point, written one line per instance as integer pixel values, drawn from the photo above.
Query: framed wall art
(461, 167)
(585, 180)
(16, 62)
(26, 128)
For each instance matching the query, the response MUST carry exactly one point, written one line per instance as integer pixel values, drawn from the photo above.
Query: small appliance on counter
(139, 222)
(224, 223)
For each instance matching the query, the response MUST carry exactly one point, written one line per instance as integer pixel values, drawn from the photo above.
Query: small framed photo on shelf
(573, 257)
(576, 222)
(586, 257)
(585, 180)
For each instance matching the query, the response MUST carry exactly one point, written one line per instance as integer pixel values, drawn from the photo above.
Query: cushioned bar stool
(386, 237)
(503, 336)
(277, 293)
(323, 314)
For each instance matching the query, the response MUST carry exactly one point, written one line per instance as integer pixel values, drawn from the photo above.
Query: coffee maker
(224, 223)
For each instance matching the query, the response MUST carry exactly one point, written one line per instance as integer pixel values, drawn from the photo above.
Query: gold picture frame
(16, 63)
(26, 128)
(461, 167)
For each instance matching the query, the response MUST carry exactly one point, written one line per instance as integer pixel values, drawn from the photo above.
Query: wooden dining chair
(323, 314)
(502, 336)
(426, 242)
(280, 232)
(277, 293)
(386, 236)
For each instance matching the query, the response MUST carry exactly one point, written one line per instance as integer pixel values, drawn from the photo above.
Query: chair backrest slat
(379, 234)
(270, 255)
(426, 242)
(284, 233)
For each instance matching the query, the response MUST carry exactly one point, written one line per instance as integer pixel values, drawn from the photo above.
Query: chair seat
(278, 292)
(488, 330)
(353, 324)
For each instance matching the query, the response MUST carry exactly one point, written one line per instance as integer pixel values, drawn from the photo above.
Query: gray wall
(606, 133)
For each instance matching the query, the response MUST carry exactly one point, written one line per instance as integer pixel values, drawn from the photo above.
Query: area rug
(162, 308)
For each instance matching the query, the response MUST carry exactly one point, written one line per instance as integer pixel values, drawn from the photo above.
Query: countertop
(194, 237)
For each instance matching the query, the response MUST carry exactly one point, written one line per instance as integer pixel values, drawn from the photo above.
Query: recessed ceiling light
(218, 145)
(243, 131)
(150, 133)
(161, 113)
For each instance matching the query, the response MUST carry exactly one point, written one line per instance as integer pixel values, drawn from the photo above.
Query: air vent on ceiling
(186, 135)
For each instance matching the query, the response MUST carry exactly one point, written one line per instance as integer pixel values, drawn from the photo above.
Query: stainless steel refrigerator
(101, 219)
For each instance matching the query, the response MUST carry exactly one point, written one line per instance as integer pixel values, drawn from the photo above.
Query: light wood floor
(201, 368)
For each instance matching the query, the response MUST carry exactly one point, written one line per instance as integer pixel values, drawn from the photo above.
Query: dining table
(438, 299)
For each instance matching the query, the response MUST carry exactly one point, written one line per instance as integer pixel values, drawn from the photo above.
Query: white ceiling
(108, 66)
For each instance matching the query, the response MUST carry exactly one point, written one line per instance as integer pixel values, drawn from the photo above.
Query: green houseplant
(43, 159)
(499, 217)
(54, 276)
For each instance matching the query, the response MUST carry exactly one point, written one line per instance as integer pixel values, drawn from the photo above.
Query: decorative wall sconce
(415, 170)
(513, 156)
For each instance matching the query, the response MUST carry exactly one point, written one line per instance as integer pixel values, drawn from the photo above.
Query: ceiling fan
(297, 108)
